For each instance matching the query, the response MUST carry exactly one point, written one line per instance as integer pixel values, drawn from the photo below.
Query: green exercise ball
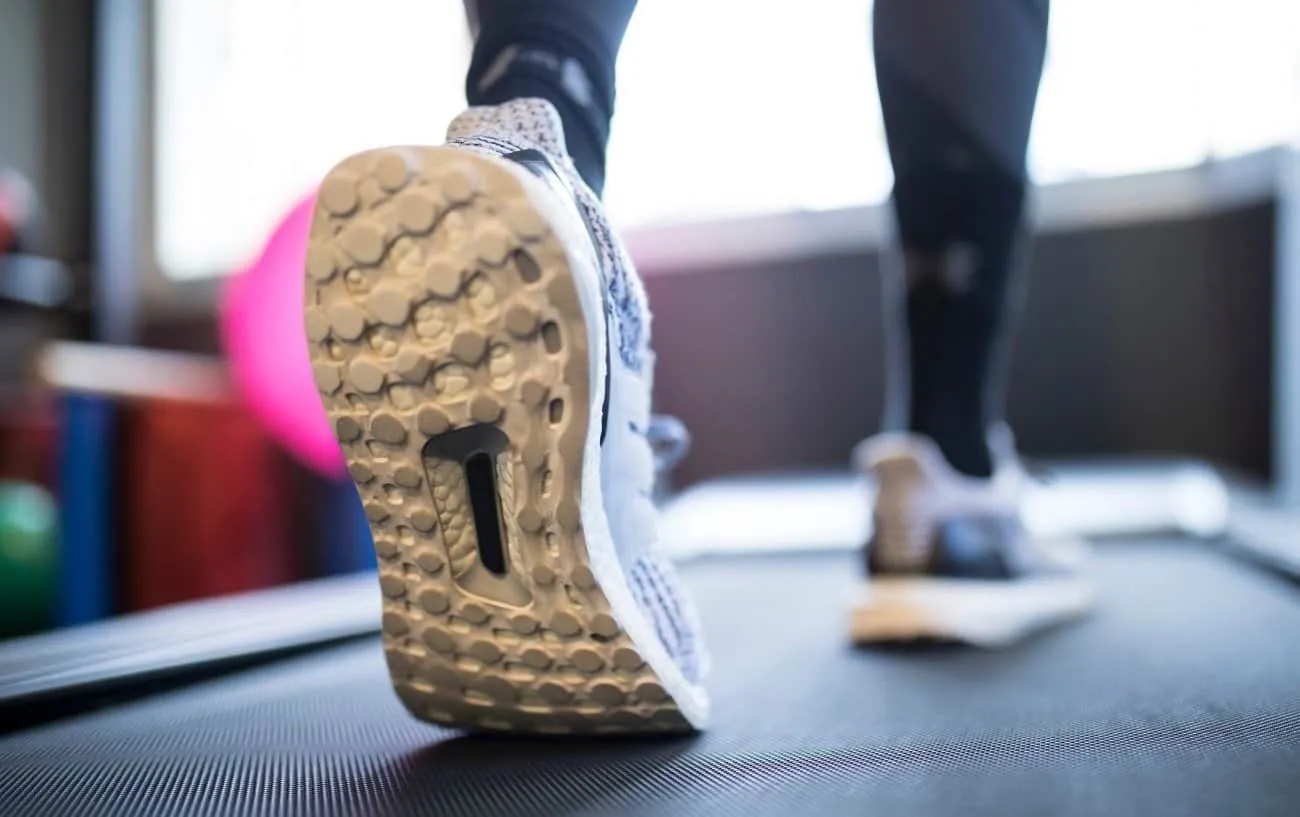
(28, 558)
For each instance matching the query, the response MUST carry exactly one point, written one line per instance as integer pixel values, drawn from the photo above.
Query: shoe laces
(670, 441)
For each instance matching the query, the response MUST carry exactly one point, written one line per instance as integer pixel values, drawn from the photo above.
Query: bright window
(256, 99)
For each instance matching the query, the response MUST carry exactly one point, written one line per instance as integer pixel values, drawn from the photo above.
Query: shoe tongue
(529, 123)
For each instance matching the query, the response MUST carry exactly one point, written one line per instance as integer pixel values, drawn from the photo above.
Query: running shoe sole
(455, 337)
(983, 613)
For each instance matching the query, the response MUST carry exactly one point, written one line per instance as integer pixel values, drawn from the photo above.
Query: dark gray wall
(20, 97)
(46, 114)
(1147, 338)
(45, 134)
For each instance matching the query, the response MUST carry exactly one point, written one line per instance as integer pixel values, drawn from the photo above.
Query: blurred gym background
(148, 151)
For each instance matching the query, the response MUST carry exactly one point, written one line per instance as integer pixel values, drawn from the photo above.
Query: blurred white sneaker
(949, 558)
(481, 344)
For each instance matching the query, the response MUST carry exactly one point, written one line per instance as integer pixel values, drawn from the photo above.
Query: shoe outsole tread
(442, 321)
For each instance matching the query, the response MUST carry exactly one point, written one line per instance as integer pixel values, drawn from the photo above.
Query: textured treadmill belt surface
(1181, 696)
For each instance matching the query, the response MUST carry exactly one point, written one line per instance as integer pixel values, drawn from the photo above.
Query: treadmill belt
(1181, 696)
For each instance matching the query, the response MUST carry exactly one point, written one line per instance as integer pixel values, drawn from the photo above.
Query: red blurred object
(28, 430)
(6, 230)
(16, 212)
(203, 511)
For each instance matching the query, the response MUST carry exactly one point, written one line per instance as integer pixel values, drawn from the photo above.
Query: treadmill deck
(1179, 696)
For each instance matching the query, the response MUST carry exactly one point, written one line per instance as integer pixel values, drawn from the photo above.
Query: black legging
(957, 81)
(563, 51)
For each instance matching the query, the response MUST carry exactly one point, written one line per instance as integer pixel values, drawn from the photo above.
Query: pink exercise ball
(261, 326)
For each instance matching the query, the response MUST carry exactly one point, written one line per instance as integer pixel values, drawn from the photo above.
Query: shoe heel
(451, 354)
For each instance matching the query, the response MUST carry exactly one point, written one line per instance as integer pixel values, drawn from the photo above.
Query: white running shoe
(481, 344)
(949, 558)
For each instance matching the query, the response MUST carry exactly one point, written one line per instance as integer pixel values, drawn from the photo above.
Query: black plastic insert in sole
(476, 448)
(481, 476)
